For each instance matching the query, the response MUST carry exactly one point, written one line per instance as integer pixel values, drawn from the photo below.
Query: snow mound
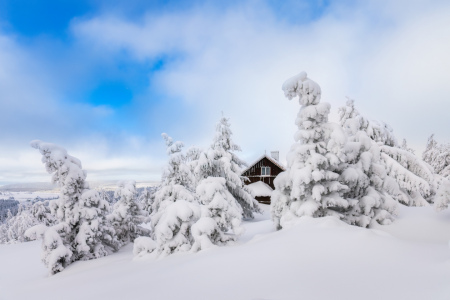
(260, 189)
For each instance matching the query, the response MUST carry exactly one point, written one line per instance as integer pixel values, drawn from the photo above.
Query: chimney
(275, 155)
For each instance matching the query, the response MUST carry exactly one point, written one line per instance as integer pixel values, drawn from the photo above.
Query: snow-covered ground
(316, 259)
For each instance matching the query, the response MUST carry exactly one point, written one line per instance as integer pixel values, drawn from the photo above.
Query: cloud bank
(391, 57)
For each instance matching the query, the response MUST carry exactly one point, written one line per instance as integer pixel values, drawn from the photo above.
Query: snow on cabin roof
(277, 163)
(260, 189)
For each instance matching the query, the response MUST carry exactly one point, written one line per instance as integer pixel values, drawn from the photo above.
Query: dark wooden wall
(254, 173)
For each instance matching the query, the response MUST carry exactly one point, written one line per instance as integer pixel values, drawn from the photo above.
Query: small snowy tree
(220, 160)
(220, 215)
(173, 228)
(146, 198)
(127, 214)
(18, 225)
(175, 208)
(41, 211)
(438, 156)
(442, 198)
(310, 186)
(82, 232)
(177, 180)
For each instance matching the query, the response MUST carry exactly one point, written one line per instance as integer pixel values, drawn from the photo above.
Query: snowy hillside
(317, 259)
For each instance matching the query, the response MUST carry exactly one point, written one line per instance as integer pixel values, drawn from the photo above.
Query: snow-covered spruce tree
(442, 197)
(365, 175)
(4, 228)
(177, 182)
(41, 211)
(438, 156)
(82, 232)
(221, 215)
(310, 186)
(127, 214)
(221, 161)
(175, 208)
(414, 177)
(19, 224)
(146, 199)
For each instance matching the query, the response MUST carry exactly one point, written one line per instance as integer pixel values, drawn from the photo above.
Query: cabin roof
(277, 163)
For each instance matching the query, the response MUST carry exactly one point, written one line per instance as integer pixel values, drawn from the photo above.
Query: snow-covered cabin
(261, 174)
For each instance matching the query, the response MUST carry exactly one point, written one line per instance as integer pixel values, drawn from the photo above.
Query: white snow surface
(260, 189)
(320, 258)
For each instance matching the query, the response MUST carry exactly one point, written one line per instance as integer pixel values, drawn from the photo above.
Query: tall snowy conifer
(83, 232)
(310, 186)
(365, 174)
(220, 160)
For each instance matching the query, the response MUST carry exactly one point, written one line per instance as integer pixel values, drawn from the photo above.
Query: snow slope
(316, 259)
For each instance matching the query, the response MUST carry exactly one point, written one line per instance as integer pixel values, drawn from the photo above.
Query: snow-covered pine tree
(310, 186)
(442, 197)
(437, 156)
(41, 211)
(220, 160)
(175, 208)
(365, 174)
(19, 224)
(82, 232)
(414, 177)
(146, 199)
(4, 228)
(220, 215)
(127, 214)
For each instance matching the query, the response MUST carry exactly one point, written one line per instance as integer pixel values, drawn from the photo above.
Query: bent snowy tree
(310, 186)
(82, 231)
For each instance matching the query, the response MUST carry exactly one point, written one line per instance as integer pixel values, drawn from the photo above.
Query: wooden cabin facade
(265, 169)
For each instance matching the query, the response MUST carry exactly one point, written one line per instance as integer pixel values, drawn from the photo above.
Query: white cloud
(391, 57)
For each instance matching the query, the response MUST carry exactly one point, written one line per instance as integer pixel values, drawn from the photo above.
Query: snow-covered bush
(365, 175)
(310, 186)
(127, 214)
(146, 199)
(143, 245)
(173, 228)
(220, 215)
(55, 255)
(82, 229)
(220, 160)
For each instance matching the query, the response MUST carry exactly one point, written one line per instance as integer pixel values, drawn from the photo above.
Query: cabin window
(265, 171)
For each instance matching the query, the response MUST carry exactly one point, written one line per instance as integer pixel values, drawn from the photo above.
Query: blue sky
(105, 78)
